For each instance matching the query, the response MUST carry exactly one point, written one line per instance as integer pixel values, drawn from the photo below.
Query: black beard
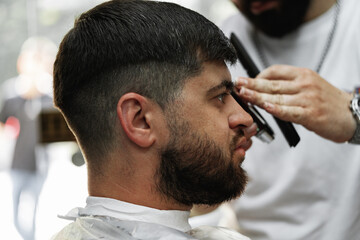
(194, 170)
(278, 22)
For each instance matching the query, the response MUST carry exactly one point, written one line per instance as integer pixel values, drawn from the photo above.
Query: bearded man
(145, 88)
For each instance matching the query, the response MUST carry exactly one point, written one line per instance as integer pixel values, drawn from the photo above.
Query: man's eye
(222, 96)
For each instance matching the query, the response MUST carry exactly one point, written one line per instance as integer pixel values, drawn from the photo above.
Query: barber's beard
(195, 170)
(278, 22)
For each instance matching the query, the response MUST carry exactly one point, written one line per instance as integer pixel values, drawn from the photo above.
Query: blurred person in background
(311, 191)
(24, 97)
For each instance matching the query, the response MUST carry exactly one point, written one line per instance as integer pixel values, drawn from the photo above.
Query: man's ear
(134, 112)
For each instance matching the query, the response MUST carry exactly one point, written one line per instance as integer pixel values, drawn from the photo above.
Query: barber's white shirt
(112, 219)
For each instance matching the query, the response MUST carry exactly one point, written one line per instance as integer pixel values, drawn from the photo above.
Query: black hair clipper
(265, 133)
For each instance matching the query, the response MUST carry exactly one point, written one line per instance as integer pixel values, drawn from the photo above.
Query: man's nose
(238, 116)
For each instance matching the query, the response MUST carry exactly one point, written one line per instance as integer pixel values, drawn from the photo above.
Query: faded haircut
(147, 47)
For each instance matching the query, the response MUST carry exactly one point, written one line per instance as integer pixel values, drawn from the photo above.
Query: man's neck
(140, 192)
(317, 8)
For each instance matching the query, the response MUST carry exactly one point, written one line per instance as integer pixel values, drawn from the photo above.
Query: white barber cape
(105, 218)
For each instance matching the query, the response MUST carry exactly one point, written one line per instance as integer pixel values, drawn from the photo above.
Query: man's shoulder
(102, 227)
(91, 228)
(214, 233)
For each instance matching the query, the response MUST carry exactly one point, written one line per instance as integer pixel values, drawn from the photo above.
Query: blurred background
(41, 169)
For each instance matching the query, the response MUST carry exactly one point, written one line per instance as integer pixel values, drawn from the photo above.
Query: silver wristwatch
(355, 109)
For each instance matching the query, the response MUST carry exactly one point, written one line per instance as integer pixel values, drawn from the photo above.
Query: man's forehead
(216, 73)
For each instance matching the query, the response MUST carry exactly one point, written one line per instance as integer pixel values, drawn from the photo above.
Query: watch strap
(356, 138)
(355, 109)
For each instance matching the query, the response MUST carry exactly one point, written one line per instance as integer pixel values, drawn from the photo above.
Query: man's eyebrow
(227, 84)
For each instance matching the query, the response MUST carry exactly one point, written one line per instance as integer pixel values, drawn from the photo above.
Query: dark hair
(122, 46)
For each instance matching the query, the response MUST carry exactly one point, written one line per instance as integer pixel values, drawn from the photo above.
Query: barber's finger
(267, 86)
(259, 99)
(293, 114)
(284, 72)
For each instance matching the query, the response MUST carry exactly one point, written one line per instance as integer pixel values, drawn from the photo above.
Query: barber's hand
(301, 96)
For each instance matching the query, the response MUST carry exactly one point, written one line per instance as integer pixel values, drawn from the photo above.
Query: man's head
(121, 59)
(275, 18)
